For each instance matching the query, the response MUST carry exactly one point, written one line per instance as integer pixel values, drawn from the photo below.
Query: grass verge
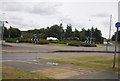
(97, 62)
(12, 73)
(53, 44)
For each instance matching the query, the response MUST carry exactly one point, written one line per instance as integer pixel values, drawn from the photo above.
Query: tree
(82, 35)
(68, 32)
(14, 32)
(5, 33)
(76, 34)
(54, 31)
(114, 36)
(97, 35)
(35, 31)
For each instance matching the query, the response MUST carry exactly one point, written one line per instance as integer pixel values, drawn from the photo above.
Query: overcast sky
(31, 14)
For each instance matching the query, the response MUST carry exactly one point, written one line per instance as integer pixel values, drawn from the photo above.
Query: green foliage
(54, 31)
(11, 40)
(25, 40)
(27, 34)
(88, 45)
(73, 43)
(43, 41)
(58, 32)
(68, 32)
(114, 36)
(5, 33)
(14, 32)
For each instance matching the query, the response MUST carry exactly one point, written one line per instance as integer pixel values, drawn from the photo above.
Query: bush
(11, 40)
(54, 41)
(88, 45)
(43, 41)
(25, 40)
(73, 43)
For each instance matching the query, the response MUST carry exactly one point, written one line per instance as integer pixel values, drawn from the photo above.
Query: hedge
(73, 43)
(11, 40)
(25, 40)
(43, 41)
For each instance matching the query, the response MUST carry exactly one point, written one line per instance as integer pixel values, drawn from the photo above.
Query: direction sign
(35, 36)
(117, 24)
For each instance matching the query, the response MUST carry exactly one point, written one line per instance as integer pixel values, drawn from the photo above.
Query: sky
(36, 14)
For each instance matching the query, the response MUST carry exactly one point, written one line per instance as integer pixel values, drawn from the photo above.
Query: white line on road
(24, 62)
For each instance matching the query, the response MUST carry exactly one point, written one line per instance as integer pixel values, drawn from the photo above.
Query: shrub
(88, 45)
(25, 40)
(43, 41)
(54, 41)
(11, 40)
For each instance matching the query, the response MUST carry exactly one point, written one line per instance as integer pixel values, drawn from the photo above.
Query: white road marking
(52, 63)
(24, 62)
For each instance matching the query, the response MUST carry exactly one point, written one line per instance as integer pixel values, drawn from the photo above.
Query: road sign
(117, 24)
(35, 36)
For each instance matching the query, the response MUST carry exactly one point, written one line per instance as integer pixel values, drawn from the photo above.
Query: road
(27, 61)
(26, 55)
(48, 48)
(22, 56)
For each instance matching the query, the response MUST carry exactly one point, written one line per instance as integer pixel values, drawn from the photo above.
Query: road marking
(52, 63)
(24, 62)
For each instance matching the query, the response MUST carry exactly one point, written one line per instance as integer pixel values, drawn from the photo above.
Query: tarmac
(32, 65)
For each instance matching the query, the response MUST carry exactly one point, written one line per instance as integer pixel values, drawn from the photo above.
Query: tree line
(11, 32)
(68, 34)
(93, 34)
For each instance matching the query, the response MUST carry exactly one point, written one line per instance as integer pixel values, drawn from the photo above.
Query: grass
(50, 44)
(4, 45)
(12, 73)
(53, 44)
(97, 62)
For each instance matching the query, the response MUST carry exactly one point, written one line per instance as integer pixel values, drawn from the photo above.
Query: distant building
(52, 38)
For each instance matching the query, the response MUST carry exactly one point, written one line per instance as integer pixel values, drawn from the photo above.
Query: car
(107, 43)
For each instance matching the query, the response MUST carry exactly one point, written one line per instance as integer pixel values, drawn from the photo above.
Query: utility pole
(91, 35)
(109, 33)
(61, 29)
(110, 27)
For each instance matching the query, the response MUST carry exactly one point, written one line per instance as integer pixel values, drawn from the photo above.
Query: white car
(107, 43)
(52, 38)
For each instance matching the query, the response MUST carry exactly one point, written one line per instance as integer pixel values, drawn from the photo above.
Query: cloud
(11, 6)
(45, 8)
(41, 8)
(101, 15)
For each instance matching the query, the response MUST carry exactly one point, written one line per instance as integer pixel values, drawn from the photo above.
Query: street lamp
(109, 33)
(91, 33)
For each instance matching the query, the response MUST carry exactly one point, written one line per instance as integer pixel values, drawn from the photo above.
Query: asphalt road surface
(22, 56)
(47, 48)
(30, 65)
(27, 61)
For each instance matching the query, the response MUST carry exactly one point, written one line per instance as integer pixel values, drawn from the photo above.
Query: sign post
(116, 39)
(35, 38)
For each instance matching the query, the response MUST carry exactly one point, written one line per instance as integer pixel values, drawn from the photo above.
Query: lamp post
(109, 33)
(91, 34)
